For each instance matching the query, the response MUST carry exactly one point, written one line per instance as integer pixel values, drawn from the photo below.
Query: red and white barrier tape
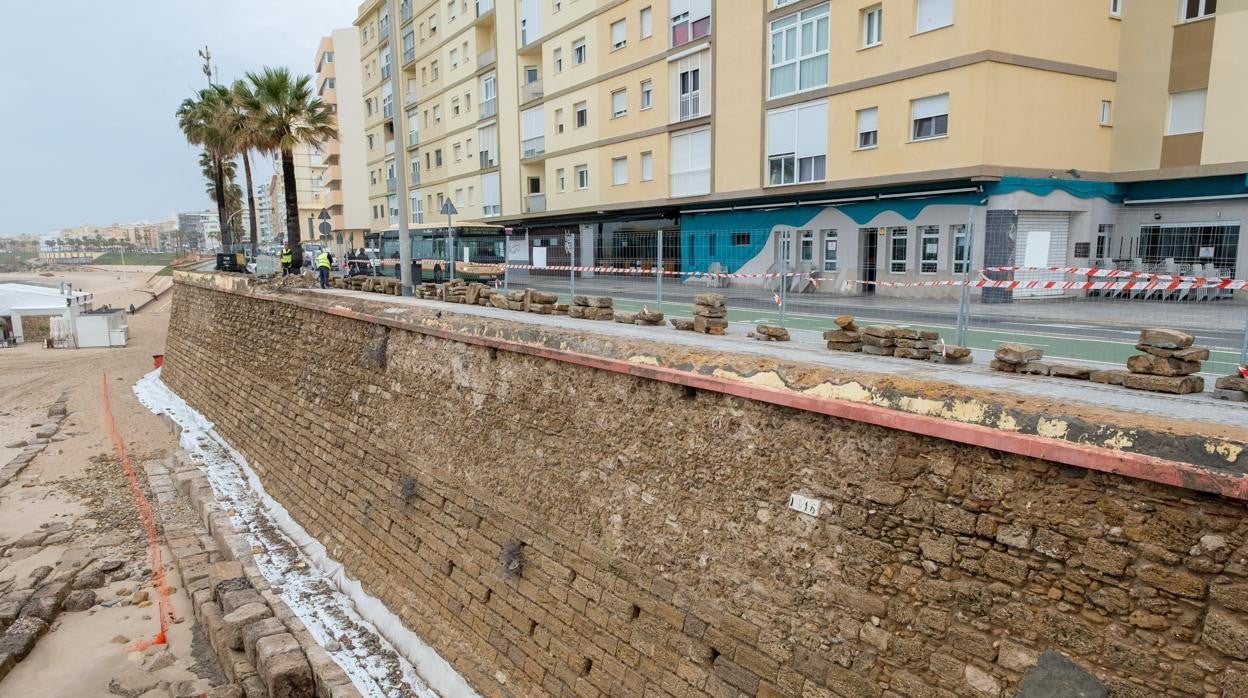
(1221, 284)
(1110, 273)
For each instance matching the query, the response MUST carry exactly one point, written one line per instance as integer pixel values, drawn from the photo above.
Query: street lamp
(448, 208)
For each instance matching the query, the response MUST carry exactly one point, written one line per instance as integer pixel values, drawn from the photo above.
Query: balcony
(484, 6)
(536, 203)
(387, 110)
(409, 55)
(413, 178)
(486, 57)
(531, 91)
(487, 159)
(488, 108)
(410, 98)
(390, 148)
(392, 185)
(386, 70)
(532, 147)
(405, 11)
(383, 32)
(413, 138)
(690, 105)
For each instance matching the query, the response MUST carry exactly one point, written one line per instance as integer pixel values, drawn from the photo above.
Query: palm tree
(244, 128)
(203, 121)
(233, 192)
(289, 115)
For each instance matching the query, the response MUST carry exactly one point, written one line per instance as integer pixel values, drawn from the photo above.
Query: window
(961, 251)
(558, 55)
(691, 19)
(467, 101)
(932, 14)
(898, 249)
(1187, 112)
(582, 177)
(580, 115)
(930, 117)
(450, 13)
(799, 51)
(1083, 250)
(1115, 8)
(647, 94)
(433, 68)
(459, 197)
(868, 128)
(558, 121)
(437, 157)
(578, 52)
(872, 26)
(556, 6)
(437, 113)
(740, 239)
(459, 152)
(1104, 231)
(619, 171)
(647, 23)
(829, 249)
(372, 175)
(806, 250)
(491, 199)
(929, 249)
(530, 74)
(561, 180)
(690, 164)
(372, 142)
(797, 143)
(454, 58)
(619, 103)
(1107, 112)
(689, 84)
(1195, 9)
(535, 185)
(433, 24)
(782, 3)
(418, 210)
(647, 166)
(619, 35)
(455, 106)
(424, 75)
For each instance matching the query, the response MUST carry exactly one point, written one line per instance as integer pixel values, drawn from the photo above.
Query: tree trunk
(251, 205)
(292, 207)
(224, 220)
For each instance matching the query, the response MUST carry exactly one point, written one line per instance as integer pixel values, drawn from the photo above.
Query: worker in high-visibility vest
(324, 261)
(287, 258)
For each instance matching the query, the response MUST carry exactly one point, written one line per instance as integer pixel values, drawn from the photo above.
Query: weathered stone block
(845, 346)
(1070, 371)
(20, 637)
(1003, 366)
(237, 620)
(1188, 354)
(841, 336)
(233, 600)
(1232, 383)
(877, 351)
(1108, 377)
(1179, 385)
(1106, 557)
(1017, 354)
(881, 331)
(713, 300)
(1158, 366)
(707, 325)
(1224, 630)
(626, 318)
(263, 628)
(876, 341)
(1174, 580)
(1166, 338)
(282, 667)
(682, 323)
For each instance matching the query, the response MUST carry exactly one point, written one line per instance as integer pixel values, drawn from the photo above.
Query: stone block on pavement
(238, 620)
(20, 637)
(1232, 383)
(1179, 385)
(233, 600)
(1164, 338)
(682, 323)
(263, 628)
(1159, 366)
(282, 667)
(1017, 354)
(714, 300)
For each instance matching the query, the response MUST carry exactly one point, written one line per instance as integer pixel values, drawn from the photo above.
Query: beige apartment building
(345, 197)
(311, 171)
(895, 140)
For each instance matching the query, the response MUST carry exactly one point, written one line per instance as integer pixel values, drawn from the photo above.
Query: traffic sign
(448, 208)
(323, 216)
(325, 228)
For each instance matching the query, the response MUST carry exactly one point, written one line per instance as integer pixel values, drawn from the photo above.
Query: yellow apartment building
(345, 197)
(860, 141)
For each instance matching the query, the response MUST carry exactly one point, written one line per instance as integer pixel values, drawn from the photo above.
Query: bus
(480, 250)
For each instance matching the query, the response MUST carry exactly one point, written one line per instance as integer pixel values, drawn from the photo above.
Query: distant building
(264, 212)
(345, 190)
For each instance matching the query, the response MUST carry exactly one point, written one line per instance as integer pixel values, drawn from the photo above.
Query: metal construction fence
(803, 279)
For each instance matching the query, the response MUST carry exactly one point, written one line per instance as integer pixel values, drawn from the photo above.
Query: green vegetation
(137, 258)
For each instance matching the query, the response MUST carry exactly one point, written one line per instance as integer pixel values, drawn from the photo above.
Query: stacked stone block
(1233, 387)
(1013, 357)
(592, 308)
(1166, 362)
(846, 337)
(771, 333)
(710, 313)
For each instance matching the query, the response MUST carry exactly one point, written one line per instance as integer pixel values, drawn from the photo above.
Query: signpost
(448, 209)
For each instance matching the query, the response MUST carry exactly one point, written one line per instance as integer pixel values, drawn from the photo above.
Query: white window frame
(961, 262)
(788, 31)
(926, 234)
(690, 102)
(920, 27)
(620, 95)
(558, 59)
(619, 34)
(579, 52)
(1178, 98)
(915, 108)
(829, 235)
(873, 26)
(619, 165)
(898, 266)
(1202, 11)
(874, 113)
(1107, 112)
(647, 166)
(561, 180)
(578, 109)
(647, 94)
(783, 157)
(1115, 8)
(581, 173)
(646, 19)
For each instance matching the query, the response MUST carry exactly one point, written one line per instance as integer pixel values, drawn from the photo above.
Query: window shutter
(812, 130)
(1187, 112)
(781, 131)
(933, 14)
(868, 120)
(929, 106)
(619, 33)
(532, 123)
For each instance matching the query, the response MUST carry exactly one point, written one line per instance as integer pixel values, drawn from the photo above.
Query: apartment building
(895, 140)
(311, 172)
(345, 195)
(264, 212)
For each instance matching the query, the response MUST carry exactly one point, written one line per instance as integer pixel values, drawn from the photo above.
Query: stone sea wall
(557, 529)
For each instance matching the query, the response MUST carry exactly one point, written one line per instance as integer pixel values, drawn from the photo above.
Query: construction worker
(286, 258)
(324, 261)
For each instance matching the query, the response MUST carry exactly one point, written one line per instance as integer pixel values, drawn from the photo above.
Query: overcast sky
(89, 89)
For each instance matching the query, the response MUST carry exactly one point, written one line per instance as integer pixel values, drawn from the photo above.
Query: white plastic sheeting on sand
(382, 657)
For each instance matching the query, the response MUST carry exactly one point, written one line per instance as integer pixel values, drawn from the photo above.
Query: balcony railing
(383, 32)
(486, 57)
(388, 110)
(405, 11)
(532, 147)
(531, 91)
(385, 71)
(489, 107)
(413, 137)
(537, 203)
(691, 183)
(413, 178)
(409, 55)
(392, 185)
(487, 159)
(389, 147)
(690, 105)
(484, 6)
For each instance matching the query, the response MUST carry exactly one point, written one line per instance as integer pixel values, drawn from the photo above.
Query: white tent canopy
(19, 300)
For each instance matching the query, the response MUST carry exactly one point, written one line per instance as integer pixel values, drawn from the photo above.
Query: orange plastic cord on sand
(149, 527)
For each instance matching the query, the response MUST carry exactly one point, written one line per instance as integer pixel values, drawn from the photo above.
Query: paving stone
(20, 637)
(79, 600)
(1163, 338)
(236, 621)
(283, 668)
(264, 628)
(1016, 353)
(89, 578)
(233, 600)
